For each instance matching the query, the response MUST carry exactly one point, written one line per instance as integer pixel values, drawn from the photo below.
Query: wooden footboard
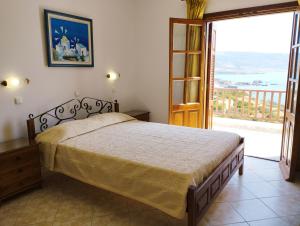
(200, 197)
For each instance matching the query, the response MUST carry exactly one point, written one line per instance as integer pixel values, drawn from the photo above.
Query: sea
(261, 81)
(269, 81)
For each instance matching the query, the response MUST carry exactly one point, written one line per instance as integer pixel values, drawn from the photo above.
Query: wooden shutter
(211, 55)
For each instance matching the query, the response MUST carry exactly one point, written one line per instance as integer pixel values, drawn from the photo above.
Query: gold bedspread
(148, 162)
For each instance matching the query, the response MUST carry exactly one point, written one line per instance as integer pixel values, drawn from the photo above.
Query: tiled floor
(259, 198)
(267, 134)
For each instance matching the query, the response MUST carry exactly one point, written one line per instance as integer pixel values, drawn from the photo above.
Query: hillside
(250, 63)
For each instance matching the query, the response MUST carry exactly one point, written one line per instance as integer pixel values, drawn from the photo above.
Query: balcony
(256, 115)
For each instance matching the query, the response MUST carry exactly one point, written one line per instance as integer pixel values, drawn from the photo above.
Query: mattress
(149, 162)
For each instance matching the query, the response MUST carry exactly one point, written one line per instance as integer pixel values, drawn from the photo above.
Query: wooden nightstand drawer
(20, 173)
(18, 158)
(20, 184)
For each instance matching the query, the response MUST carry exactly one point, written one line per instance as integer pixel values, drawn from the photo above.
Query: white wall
(153, 47)
(152, 40)
(23, 53)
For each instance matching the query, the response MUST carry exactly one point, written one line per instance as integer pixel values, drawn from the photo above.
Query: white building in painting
(63, 49)
(65, 43)
(81, 49)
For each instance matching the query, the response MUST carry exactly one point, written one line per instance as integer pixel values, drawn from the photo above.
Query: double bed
(177, 170)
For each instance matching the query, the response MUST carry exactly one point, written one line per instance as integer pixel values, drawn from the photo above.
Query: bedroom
(130, 38)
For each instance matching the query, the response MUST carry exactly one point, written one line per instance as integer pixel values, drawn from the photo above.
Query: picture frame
(69, 40)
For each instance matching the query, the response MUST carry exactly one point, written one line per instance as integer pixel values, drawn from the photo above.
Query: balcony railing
(258, 105)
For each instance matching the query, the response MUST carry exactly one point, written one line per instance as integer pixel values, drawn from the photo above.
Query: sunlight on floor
(262, 139)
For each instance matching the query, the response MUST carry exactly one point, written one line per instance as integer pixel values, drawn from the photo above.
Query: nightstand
(139, 115)
(20, 167)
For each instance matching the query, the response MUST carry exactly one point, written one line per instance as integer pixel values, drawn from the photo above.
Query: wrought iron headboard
(71, 110)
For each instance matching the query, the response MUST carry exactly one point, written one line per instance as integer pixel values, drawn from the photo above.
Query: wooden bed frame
(199, 198)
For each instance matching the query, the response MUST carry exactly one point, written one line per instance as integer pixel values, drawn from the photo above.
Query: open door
(211, 59)
(187, 73)
(291, 126)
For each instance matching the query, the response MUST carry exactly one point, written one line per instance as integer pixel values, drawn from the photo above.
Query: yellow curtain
(195, 10)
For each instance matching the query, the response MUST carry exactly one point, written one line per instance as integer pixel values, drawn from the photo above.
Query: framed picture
(69, 40)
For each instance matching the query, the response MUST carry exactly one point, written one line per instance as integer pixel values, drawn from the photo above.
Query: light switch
(18, 100)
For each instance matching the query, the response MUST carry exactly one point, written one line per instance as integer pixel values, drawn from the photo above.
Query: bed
(167, 167)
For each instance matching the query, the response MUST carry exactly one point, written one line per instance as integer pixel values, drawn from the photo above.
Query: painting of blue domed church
(69, 40)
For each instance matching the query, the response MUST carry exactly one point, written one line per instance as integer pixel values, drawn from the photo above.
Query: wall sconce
(14, 82)
(113, 76)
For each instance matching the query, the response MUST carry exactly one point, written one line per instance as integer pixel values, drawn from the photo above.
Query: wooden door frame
(252, 11)
(249, 12)
(239, 13)
(259, 11)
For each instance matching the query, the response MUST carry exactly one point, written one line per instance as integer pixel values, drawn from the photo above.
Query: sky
(267, 34)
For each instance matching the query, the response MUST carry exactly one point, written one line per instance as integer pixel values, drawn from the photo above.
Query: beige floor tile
(150, 218)
(109, 204)
(136, 206)
(286, 188)
(259, 164)
(41, 224)
(252, 210)
(35, 215)
(222, 213)
(270, 174)
(292, 220)
(284, 205)
(262, 189)
(113, 220)
(234, 192)
(49, 200)
(269, 222)
(7, 220)
(247, 177)
(12, 206)
(234, 179)
(76, 221)
(72, 210)
(11, 209)
(183, 222)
